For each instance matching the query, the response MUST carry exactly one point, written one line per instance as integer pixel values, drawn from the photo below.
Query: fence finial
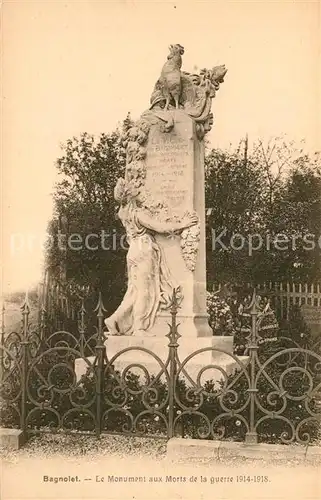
(173, 334)
(100, 307)
(254, 307)
(174, 301)
(25, 308)
(82, 325)
(100, 317)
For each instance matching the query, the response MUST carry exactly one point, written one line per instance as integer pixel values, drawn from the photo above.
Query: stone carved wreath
(189, 237)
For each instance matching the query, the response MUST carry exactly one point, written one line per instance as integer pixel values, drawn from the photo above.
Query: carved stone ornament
(150, 280)
(191, 92)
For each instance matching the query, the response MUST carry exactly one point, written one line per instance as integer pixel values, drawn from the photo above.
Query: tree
(257, 198)
(298, 215)
(89, 248)
(252, 192)
(234, 190)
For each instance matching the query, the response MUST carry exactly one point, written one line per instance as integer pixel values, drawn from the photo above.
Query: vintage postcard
(161, 233)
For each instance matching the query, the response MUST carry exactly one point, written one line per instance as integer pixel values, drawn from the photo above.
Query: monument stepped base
(152, 354)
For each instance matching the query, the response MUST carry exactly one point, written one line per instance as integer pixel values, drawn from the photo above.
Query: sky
(80, 66)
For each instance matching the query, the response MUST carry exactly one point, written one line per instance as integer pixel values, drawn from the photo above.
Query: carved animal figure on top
(170, 79)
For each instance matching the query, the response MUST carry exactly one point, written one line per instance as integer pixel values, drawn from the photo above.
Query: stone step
(215, 368)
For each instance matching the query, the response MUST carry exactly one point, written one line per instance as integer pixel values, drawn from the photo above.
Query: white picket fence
(284, 295)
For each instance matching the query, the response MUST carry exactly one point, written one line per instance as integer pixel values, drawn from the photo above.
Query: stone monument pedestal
(175, 176)
(152, 353)
(162, 200)
(138, 347)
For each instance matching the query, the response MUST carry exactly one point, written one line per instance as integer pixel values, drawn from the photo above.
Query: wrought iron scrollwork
(272, 394)
(136, 400)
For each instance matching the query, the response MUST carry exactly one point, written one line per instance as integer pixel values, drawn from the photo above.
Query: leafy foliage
(256, 192)
(85, 207)
(220, 315)
(260, 194)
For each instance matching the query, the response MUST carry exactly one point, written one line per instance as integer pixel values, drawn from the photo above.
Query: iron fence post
(43, 324)
(251, 435)
(82, 328)
(173, 345)
(99, 364)
(24, 365)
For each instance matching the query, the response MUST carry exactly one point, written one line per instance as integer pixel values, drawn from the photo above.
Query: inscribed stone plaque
(169, 167)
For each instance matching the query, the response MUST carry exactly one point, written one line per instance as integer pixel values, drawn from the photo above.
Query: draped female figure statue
(150, 283)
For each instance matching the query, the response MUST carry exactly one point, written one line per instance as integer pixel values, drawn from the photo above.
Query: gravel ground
(96, 462)
(74, 447)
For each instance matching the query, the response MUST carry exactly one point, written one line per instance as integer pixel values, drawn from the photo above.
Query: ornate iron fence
(271, 395)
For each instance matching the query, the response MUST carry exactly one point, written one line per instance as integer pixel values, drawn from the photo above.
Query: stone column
(175, 174)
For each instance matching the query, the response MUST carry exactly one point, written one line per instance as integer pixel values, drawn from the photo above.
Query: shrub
(220, 315)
